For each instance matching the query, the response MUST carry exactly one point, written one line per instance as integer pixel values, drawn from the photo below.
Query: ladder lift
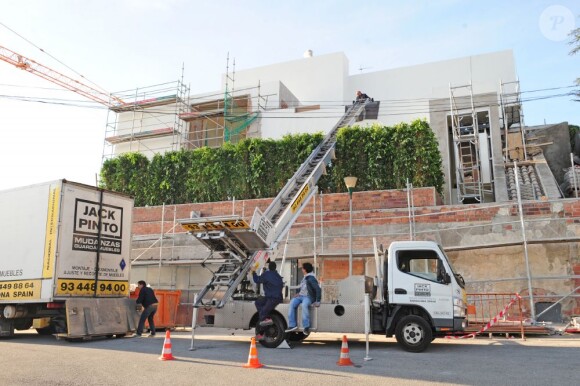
(237, 246)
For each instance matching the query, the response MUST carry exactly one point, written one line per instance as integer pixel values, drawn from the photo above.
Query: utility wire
(54, 101)
(394, 106)
(43, 51)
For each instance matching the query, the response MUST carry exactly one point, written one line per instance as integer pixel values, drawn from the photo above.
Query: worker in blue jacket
(272, 283)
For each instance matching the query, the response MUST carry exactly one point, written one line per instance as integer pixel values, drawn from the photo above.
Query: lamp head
(350, 182)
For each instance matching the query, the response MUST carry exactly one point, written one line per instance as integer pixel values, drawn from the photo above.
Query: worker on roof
(362, 97)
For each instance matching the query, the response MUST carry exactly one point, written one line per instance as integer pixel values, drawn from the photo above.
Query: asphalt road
(30, 359)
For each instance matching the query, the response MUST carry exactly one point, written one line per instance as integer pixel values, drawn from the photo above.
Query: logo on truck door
(93, 221)
(422, 289)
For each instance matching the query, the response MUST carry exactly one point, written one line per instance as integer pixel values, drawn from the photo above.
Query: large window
(421, 263)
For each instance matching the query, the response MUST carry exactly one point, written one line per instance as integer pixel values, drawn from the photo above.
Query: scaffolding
(163, 117)
(148, 122)
(221, 120)
(515, 147)
(470, 128)
(512, 122)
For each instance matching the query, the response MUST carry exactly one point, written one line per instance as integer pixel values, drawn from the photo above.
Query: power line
(412, 107)
(51, 56)
(34, 87)
(54, 101)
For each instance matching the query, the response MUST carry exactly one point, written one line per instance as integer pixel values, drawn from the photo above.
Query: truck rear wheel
(49, 330)
(57, 326)
(275, 333)
(23, 324)
(413, 333)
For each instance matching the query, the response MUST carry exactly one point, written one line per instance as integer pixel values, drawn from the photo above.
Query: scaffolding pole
(525, 241)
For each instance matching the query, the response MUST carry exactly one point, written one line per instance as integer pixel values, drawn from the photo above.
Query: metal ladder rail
(309, 170)
(235, 278)
(220, 278)
(235, 258)
(281, 201)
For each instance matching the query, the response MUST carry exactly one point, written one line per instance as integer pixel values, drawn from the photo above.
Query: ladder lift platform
(208, 230)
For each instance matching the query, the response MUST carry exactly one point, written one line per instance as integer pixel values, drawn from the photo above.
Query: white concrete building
(310, 95)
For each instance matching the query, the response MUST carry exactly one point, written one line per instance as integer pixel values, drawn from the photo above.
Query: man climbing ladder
(272, 283)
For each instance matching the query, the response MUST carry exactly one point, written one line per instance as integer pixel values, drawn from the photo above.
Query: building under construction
(502, 214)
(473, 105)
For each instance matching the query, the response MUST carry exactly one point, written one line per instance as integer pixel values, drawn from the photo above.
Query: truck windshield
(457, 276)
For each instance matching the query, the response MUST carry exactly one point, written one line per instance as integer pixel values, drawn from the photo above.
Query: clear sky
(125, 44)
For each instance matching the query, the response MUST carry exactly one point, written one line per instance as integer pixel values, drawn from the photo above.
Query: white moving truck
(65, 260)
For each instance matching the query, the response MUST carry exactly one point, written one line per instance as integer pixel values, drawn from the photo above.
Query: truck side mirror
(446, 278)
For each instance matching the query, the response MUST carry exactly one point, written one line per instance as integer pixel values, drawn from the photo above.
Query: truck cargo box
(51, 235)
(62, 240)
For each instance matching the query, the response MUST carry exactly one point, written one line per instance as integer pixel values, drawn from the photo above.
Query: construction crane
(56, 77)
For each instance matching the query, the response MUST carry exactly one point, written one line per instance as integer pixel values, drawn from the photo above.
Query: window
(421, 263)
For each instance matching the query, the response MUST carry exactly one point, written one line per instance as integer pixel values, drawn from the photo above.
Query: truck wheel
(413, 333)
(23, 324)
(57, 326)
(49, 330)
(275, 333)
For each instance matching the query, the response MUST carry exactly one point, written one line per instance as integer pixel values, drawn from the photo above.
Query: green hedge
(381, 157)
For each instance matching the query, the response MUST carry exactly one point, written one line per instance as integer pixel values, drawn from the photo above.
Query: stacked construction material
(530, 187)
(570, 186)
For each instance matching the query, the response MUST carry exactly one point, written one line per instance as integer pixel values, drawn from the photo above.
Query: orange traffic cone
(253, 361)
(166, 352)
(344, 358)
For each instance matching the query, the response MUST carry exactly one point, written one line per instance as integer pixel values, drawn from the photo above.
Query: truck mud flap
(100, 317)
(6, 328)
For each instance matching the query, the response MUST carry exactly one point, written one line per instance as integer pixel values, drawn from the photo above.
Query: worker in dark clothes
(149, 302)
(362, 97)
(272, 283)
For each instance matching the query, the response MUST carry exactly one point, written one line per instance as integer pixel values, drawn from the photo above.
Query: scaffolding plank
(201, 114)
(141, 135)
(151, 102)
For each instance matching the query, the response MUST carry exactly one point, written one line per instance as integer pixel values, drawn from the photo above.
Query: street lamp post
(350, 183)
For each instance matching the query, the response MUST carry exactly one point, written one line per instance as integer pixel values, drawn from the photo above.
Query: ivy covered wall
(381, 157)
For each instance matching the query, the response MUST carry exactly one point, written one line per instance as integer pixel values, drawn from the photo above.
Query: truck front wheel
(275, 333)
(413, 333)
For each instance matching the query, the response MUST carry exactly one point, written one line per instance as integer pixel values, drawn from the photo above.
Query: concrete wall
(406, 91)
(557, 146)
(313, 80)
